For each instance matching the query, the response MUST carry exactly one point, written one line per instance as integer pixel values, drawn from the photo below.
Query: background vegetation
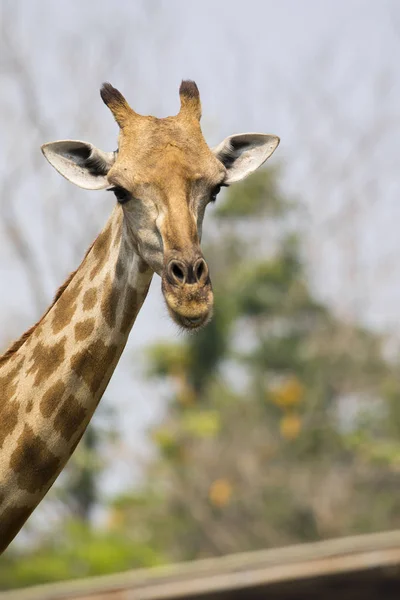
(282, 425)
(279, 422)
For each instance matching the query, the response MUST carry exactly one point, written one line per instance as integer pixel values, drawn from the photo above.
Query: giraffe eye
(215, 193)
(121, 195)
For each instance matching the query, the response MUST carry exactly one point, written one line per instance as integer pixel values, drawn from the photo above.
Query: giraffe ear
(243, 153)
(80, 162)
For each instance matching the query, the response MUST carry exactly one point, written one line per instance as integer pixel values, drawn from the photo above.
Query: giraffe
(163, 175)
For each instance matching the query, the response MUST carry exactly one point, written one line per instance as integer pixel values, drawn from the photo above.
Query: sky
(323, 75)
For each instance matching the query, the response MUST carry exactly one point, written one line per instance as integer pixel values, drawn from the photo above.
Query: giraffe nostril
(181, 273)
(200, 270)
(177, 272)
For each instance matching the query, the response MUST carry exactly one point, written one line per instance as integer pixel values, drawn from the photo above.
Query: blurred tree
(284, 422)
(75, 550)
(283, 425)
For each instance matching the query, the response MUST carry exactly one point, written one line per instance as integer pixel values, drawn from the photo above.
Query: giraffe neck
(51, 385)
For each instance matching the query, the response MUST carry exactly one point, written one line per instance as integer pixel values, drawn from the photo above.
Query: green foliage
(258, 195)
(166, 359)
(283, 425)
(75, 551)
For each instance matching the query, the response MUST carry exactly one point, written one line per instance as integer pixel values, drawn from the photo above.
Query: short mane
(16, 345)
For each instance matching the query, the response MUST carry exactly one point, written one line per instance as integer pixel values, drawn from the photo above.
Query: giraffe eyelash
(120, 193)
(216, 191)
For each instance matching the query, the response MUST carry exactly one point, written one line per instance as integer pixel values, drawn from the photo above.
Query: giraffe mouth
(191, 323)
(191, 307)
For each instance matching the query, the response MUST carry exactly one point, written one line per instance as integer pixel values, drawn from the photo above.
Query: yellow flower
(289, 394)
(220, 492)
(290, 426)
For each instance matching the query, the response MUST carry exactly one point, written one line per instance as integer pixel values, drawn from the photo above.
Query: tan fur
(167, 164)
(53, 377)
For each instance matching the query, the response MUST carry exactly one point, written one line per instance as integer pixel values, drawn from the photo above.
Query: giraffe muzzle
(187, 290)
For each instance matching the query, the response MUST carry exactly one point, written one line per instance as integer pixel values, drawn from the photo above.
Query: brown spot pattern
(89, 298)
(52, 399)
(100, 250)
(74, 445)
(8, 419)
(119, 268)
(83, 329)
(8, 407)
(109, 302)
(46, 359)
(9, 382)
(18, 343)
(92, 363)
(29, 406)
(69, 418)
(130, 309)
(11, 522)
(143, 266)
(65, 307)
(33, 463)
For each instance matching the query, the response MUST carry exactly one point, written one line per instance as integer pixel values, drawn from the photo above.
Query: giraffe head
(164, 175)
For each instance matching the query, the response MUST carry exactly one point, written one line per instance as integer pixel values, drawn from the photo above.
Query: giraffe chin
(190, 323)
(192, 314)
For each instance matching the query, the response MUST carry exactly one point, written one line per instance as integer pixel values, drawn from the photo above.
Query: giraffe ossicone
(163, 176)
